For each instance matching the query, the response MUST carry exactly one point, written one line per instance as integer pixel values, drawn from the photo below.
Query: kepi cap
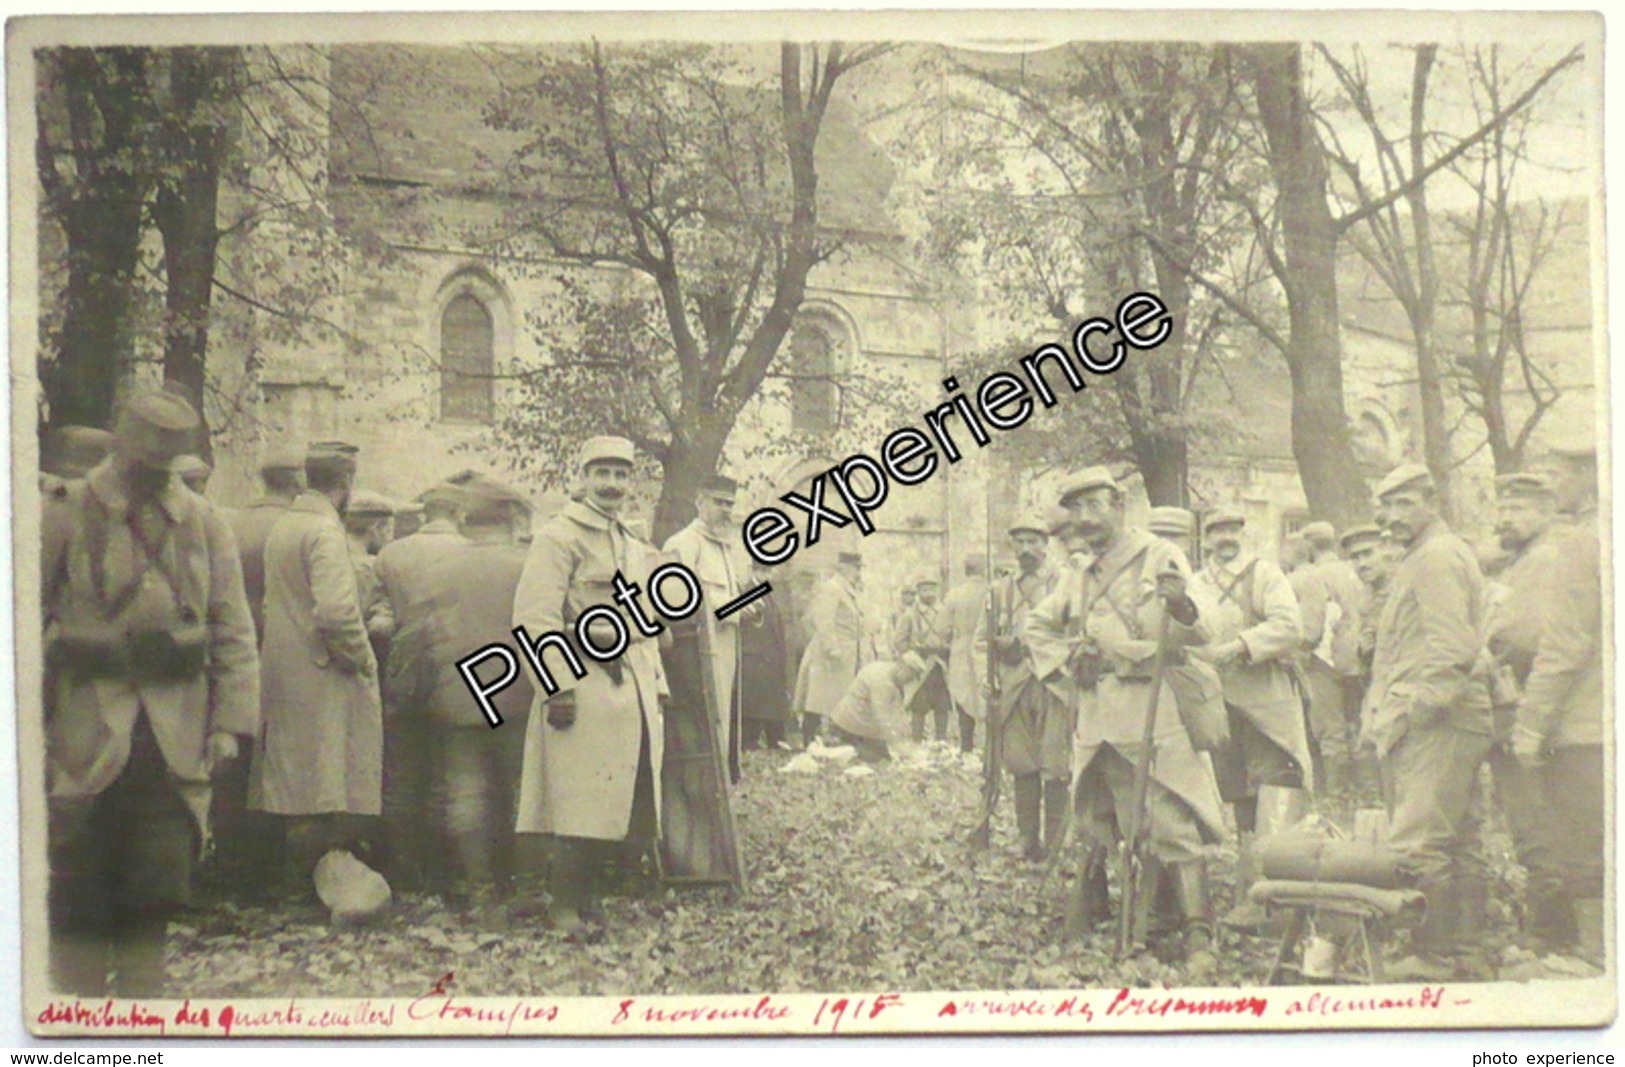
(719, 485)
(1320, 532)
(1088, 479)
(1169, 520)
(1358, 535)
(70, 451)
(606, 449)
(330, 456)
(157, 428)
(1523, 485)
(1225, 516)
(1031, 521)
(367, 504)
(1404, 476)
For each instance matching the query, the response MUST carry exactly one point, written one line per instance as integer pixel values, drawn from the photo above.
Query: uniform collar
(1129, 542)
(584, 514)
(311, 502)
(705, 531)
(1429, 532)
(104, 484)
(1239, 564)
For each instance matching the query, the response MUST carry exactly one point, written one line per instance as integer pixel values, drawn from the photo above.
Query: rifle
(1133, 914)
(993, 743)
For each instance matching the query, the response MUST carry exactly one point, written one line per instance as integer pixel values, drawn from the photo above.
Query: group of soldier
(1388, 665)
(300, 656)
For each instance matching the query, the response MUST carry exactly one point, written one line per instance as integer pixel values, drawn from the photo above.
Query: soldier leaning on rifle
(1098, 630)
(1429, 718)
(150, 676)
(1561, 726)
(593, 749)
(1250, 617)
(709, 547)
(1035, 717)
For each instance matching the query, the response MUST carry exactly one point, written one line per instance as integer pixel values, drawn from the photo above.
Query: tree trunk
(96, 343)
(94, 100)
(1321, 441)
(184, 210)
(692, 458)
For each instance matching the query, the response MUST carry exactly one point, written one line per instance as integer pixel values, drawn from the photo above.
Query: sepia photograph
(811, 523)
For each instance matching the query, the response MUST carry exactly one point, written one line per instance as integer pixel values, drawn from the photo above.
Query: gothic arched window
(467, 359)
(819, 354)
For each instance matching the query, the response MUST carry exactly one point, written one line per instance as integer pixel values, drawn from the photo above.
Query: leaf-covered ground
(855, 883)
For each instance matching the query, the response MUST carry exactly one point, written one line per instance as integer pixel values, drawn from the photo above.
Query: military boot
(1028, 798)
(1089, 900)
(1057, 795)
(1244, 915)
(572, 883)
(1197, 936)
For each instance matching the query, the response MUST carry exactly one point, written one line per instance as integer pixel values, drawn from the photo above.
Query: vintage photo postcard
(811, 523)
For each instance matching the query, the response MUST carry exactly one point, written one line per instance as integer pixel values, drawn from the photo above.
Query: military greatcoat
(580, 781)
(1114, 604)
(835, 650)
(179, 575)
(320, 749)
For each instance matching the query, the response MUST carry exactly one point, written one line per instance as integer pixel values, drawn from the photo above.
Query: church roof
(414, 115)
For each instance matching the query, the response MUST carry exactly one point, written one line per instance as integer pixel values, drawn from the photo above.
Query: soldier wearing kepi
(1101, 631)
(150, 677)
(836, 648)
(319, 757)
(708, 548)
(475, 778)
(1429, 716)
(402, 567)
(593, 748)
(1561, 726)
(1329, 597)
(1526, 512)
(1036, 717)
(70, 452)
(283, 475)
(1251, 621)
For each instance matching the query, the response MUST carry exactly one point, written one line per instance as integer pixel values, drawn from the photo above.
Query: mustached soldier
(150, 673)
(1100, 634)
(593, 748)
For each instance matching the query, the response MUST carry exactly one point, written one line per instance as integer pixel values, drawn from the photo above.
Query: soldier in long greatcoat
(709, 547)
(1035, 719)
(961, 613)
(150, 677)
(837, 647)
(1250, 618)
(1097, 634)
(319, 757)
(593, 748)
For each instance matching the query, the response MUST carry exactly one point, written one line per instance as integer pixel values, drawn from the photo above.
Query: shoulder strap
(1103, 589)
(1250, 608)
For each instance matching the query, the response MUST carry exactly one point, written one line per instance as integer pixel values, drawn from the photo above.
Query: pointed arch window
(467, 359)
